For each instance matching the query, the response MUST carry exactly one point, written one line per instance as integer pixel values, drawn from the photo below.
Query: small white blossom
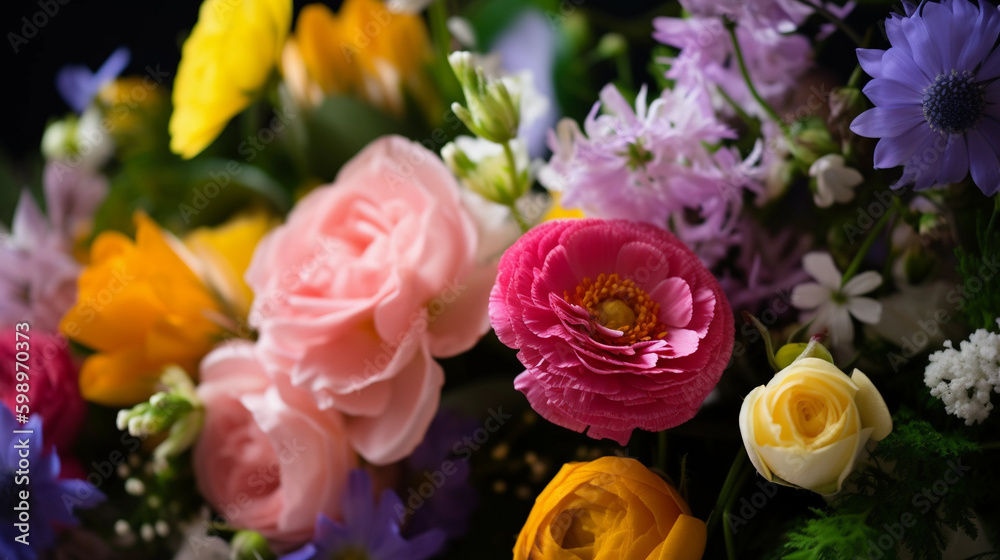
(835, 182)
(963, 378)
(832, 306)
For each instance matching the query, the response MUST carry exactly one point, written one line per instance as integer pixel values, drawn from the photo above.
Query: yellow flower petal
(228, 57)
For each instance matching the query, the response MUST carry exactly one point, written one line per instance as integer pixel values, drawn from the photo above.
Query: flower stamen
(954, 103)
(619, 304)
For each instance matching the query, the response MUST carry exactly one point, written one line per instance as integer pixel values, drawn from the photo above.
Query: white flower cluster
(963, 378)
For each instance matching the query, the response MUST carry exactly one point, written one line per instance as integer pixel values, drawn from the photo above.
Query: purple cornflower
(28, 469)
(78, 85)
(936, 95)
(368, 531)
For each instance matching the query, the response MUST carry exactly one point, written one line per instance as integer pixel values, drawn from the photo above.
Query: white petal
(871, 406)
(841, 327)
(820, 266)
(810, 295)
(819, 470)
(865, 310)
(863, 283)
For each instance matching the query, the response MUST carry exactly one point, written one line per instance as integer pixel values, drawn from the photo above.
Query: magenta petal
(575, 375)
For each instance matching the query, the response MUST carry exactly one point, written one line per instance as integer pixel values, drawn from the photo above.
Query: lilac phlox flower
(368, 531)
(936, 95)
(37, 270)
(655, 164)
(78, 85)
(769, 266)
(50, 501)
(783, 16)
(707, 60)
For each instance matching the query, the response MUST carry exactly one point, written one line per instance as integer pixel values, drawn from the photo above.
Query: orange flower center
(619, 305)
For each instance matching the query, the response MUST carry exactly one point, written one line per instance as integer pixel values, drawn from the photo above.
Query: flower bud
(484, 169)
(250, 545)
(795, 351)
(811, 139)
(490, 111)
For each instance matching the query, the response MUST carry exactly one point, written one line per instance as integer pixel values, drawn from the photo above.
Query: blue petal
(923, 47)
(886, 122)
(871, 61)
(112, 67)
(307, 552)
(890, 93)
(75, 84)
(990, 68)
(898, 65)
(359, 504)
(955, 165)
(890, 152)
(984, 164)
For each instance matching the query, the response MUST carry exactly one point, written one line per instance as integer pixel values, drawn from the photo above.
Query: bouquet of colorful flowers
(428, 279)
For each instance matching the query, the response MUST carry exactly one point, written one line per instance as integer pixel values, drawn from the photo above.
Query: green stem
(744, 116)
(841, 25)
(515, 184)
(438, 16)
(731, 28)
(727, 489)
(661, 451)
(852, 269)
(729, 536)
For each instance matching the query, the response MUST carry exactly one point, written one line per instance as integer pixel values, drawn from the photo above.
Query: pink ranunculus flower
(52, 381)
(618, 324)
(369, 279)
(268, 459)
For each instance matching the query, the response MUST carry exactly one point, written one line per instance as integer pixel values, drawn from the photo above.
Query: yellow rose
(141, 307)
(228, 57)
(611, 508)
(808, 425)
(365, 50)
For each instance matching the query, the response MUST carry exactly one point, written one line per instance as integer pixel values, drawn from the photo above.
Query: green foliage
(916, 482)
(827, 537)
(977, 268)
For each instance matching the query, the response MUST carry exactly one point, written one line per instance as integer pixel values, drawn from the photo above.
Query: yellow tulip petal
(228, 57)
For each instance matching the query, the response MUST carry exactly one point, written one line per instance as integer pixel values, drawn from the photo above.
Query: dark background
(86, 32)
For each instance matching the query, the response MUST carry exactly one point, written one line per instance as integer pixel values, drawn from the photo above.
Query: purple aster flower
(78, 85)
(368, 531)
(37, 270)
(707, 60)
(454, 500)
(50, 501)
(936, 95)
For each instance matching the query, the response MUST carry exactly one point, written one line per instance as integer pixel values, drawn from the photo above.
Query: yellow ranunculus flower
(141, 307)
(611, 508)
(228, 57)
(366, 50)
(808, 425)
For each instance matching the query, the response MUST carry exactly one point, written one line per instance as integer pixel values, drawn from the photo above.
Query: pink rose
(267, 459)
(52, 380)
(369, 279)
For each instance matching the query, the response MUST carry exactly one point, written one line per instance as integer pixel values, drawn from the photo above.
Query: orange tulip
(141, 306)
